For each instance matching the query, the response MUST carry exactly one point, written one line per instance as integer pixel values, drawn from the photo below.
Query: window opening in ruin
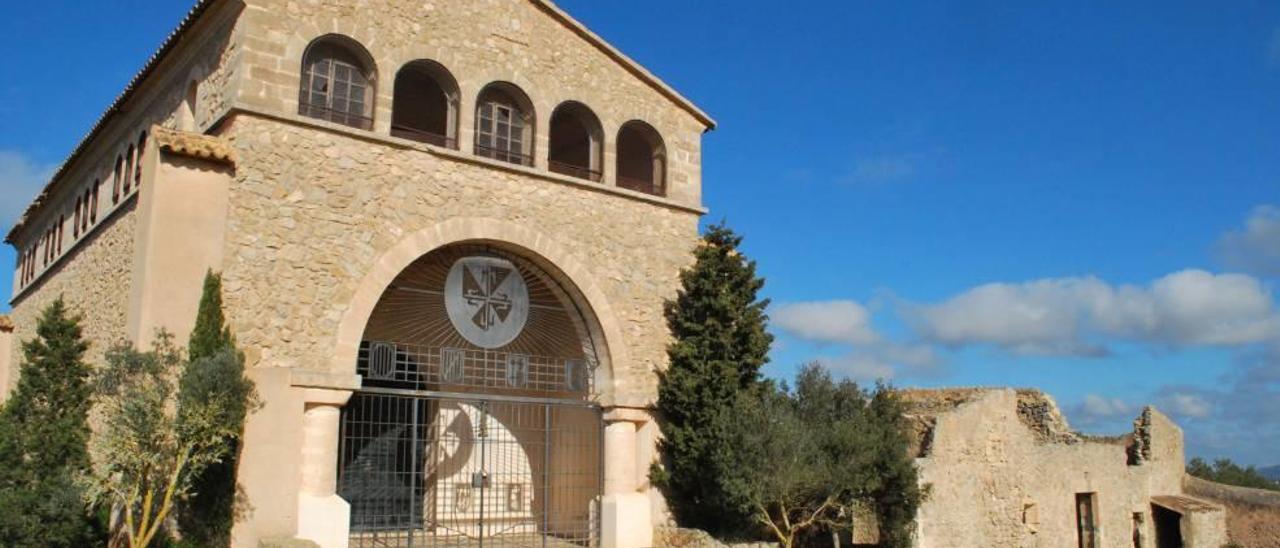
(1139, 530)
(1087, 520)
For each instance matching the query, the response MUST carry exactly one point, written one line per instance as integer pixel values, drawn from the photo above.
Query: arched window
(337, 82)
(137, 165)
(116, 179)
(84, 217)
(642, 159)
(425, 108)
(187, 114)
(575, 144)
(128, 170)
(75, 226)
(93, 207)
(504, 124)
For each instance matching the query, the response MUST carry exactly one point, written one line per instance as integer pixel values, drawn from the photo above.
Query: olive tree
(154, 444)
(810, 459)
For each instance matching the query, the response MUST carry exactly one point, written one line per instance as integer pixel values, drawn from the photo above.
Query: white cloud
(1078, 316)
(858, 367)
(883, 360)
(848, 323)
(1096, 406)
(20, 181)
(842, 322)
(1186, 404)
(1256, 247)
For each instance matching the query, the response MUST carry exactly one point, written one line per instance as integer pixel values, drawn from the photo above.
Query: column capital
(323, 396)
(638, 415)
(312, 378)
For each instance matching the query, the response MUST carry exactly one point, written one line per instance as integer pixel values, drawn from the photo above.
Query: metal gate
(442, 469)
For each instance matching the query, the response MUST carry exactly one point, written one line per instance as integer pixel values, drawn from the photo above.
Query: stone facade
(315, 210)
(309, 221)
(1005, 469)
(94, 280)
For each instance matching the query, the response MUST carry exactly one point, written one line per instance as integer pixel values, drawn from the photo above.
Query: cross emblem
(487, 300)
(483, 289)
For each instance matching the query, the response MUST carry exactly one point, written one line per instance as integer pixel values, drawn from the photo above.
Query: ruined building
(446, 230)
(1005, 469)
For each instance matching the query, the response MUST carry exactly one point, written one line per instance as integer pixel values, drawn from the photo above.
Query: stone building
(446, 231)
(1005, 469)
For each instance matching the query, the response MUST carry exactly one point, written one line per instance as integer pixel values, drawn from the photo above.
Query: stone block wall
(94, 281)
(1005, 469)
(479, 42)
(95, 272)
(314, 208)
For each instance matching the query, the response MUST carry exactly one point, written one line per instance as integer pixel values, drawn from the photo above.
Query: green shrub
(44, 433)
(720, 344)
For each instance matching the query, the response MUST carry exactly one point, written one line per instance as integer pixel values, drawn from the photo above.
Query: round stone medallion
(487, 300)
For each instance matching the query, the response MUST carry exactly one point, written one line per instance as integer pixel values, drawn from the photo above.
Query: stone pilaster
(323, 517)
(626, 517)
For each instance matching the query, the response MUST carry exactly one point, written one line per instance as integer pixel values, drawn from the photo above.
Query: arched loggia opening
(477, 419)
(425, 107)
(575, 142)
(642, 159)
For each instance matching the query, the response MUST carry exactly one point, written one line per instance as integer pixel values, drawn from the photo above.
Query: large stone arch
(539, 248)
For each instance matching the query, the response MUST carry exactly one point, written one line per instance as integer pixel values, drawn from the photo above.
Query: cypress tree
(211, 334)
(720, 343)
(44, 434)
(215, 373)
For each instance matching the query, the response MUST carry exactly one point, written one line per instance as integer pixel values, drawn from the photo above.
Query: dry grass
(1253, 526)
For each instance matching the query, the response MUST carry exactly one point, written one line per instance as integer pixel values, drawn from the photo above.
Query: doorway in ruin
(475, 425)
(1086, 520)
(1168, 524)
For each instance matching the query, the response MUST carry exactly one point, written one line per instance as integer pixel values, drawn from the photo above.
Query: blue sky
(1076, 196)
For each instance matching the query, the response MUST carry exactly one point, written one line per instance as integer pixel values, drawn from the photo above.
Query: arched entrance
(477, 423)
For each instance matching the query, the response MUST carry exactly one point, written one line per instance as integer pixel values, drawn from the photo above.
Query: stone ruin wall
(1004, 469)
(1253, 515)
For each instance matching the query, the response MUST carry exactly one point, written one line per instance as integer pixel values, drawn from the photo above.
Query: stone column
(625, 514)
(619, 458)
(323, 517)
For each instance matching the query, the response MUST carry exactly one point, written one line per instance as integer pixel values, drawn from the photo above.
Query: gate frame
(594, 526)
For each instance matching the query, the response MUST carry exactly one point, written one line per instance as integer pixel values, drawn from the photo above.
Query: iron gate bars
(455, 471)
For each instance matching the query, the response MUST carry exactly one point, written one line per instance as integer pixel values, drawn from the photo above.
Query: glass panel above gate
(475, 319)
